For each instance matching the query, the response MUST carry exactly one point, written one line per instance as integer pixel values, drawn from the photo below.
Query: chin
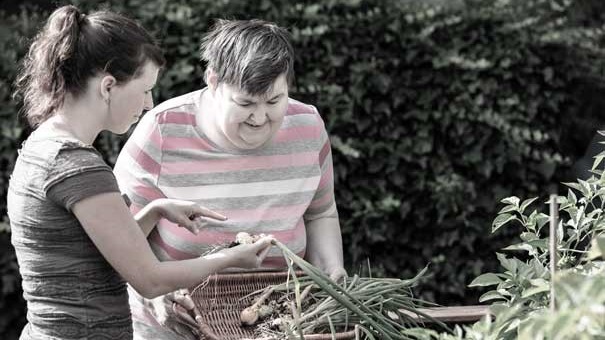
(121, 131)
(243, 145)
(258, 145)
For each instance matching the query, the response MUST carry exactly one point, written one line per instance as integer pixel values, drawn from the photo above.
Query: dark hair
(74, 47)
(249, 54)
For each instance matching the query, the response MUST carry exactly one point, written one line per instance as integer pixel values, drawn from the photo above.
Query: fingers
(197, 219)
(194, 225)
(205, 212)
(183, 298)
(183, 316)
(338, 274)
(265, 244)
(183, 307)
(264, 241)
(188, 215)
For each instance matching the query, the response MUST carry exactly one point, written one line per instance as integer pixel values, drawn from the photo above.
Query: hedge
(435, 114)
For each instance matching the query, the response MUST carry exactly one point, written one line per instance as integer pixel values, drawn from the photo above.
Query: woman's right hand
(249, 256)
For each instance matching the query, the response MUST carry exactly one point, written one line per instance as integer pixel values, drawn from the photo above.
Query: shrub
(435, 113)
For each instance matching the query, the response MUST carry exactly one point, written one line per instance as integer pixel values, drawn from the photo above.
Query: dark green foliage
(12, 305)
(435, 114)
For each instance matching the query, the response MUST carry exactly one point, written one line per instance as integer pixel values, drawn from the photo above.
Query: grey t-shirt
(71, 290)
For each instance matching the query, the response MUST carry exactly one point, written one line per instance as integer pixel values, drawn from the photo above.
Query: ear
(211, 80)
(108, 82)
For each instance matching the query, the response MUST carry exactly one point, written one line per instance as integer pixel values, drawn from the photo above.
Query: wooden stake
(554, 222)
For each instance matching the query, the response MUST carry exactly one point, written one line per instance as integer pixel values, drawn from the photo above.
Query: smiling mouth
(254, 125)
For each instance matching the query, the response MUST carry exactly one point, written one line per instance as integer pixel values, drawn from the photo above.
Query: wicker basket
(222, 297)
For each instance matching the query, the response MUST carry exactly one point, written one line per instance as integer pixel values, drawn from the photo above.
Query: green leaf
(541, 220)
(491, 295)
(539, 243)
(531, 291)
(574, 185)
(601, 243)
(526, 203)
(487, 279)
(519, 246)
(508, 209)
(597, 247)
(512, 200)
(528, 236)
(501, 220)
(513, 324)
(586, 190)
(597, 160)
(508, 264)
(539, 282)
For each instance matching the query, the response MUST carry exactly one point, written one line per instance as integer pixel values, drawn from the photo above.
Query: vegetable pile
(371, 308)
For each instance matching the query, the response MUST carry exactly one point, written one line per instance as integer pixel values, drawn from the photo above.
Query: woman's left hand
(175, 311)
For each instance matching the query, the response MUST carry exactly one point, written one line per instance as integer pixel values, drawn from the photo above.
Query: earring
(108, 101)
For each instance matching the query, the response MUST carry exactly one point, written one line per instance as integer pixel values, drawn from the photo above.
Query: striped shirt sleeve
(323, 204)
(139, 164)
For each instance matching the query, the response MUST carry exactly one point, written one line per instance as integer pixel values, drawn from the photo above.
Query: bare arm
(324, 246)
(110, 225)
(186, 214)
(147, 218)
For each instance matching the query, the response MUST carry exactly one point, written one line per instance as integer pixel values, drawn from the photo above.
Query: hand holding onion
(250, 251)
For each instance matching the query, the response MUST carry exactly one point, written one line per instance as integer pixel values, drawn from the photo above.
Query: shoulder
(72, 158)
(58, 150)
(302, 113)
(176, 110)
(296, 107)
(79, 155)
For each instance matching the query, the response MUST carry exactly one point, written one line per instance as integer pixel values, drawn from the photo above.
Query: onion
(250, 315)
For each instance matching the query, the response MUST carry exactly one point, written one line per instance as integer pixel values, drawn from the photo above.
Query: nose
(258, 117)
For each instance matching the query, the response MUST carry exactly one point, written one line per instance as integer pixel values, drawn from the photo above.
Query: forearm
(148, 217)
(324, 243)
(172, 275)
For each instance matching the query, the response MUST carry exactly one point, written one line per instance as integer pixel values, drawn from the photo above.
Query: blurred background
(437, 110)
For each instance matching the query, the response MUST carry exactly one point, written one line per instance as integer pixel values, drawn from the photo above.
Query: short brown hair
(248, 54)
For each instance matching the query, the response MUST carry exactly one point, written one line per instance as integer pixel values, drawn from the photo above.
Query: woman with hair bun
(76, 241)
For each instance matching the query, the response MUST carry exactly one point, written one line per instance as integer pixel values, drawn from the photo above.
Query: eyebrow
(247, 100)
(276, 96)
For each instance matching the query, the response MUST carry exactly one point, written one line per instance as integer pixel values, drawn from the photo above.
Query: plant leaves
(501, 220)
(512, 200)
(491, 295)
(487, 279)
(526, 203)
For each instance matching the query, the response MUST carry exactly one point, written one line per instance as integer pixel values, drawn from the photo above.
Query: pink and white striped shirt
(271, 190)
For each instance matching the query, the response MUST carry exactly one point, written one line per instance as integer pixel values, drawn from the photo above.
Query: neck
(75, 119)
(209, 125)
(60, 126)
